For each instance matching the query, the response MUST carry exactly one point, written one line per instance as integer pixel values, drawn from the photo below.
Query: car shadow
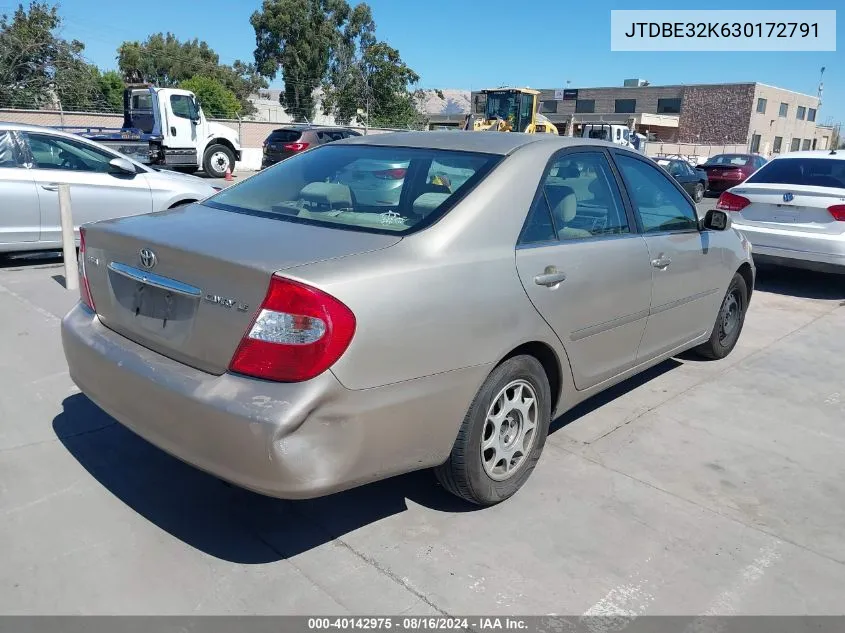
(218, 518)
(804, 284)
(30, 260)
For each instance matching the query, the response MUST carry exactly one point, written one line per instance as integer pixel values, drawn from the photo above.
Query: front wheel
(502, 435)
(698, 192)
(217, 159)
(729, 321)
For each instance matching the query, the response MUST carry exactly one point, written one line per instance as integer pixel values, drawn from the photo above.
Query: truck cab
(615, 133)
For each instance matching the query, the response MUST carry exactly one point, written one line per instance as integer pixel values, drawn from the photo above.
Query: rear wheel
(217, 159)
(502, 435)
(698, 192)
(729, 321)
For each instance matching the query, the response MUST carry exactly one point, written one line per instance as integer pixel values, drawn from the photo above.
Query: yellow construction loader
(511, 110)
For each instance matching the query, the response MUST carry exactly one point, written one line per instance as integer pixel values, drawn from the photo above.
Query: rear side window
(818, 172)
(8, 152)
(730, 160)
(284, 136)
(394, 190)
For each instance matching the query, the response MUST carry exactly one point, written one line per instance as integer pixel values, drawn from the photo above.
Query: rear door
(687, 272)
(96, 191)
(585, 268)
(20, 219)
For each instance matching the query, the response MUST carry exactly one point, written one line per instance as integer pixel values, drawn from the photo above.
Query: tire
(480, 476)
(698, 192)
(721, 343)
(216, 160)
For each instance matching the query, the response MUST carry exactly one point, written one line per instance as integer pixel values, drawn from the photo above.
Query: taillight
(295, 147)
(298, 333)
(731, 202)
(84, 287)
(838, 212)
(391, 174)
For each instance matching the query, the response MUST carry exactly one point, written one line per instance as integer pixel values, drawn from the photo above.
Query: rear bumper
(294, 440)
(799, 249)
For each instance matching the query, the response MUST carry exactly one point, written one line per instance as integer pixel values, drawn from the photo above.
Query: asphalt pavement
(695, 488)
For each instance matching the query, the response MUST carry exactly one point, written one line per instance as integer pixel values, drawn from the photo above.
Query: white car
(104, 184)
(792, 210)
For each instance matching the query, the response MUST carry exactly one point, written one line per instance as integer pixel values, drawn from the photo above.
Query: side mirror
(716, 220)
(122, 166)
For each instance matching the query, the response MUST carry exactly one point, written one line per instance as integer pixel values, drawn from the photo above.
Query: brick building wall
(716, 114)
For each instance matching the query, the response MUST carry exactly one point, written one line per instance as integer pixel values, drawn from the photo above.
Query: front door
(20, 220)
(97, 192)
(687, 272)
(584, 268)
(183, 119)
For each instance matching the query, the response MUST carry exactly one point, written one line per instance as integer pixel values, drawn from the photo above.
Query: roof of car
(817, 153)
(24, 127)
(484, 142)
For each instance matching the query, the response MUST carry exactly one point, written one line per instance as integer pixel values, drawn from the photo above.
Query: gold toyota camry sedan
(297, 337)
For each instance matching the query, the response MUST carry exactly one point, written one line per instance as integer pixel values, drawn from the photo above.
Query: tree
(216, 100)
(297, 37)
(112, 87)
(165, 61)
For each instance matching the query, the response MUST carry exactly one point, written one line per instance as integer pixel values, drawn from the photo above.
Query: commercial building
(763, 118)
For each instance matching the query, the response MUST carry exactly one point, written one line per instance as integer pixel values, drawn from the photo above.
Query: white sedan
(792, 210)
(104, 184)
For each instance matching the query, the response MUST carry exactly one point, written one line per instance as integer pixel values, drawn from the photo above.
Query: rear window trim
(494, 161)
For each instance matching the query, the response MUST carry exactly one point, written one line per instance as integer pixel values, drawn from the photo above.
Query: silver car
(288, 339)
(103, 184)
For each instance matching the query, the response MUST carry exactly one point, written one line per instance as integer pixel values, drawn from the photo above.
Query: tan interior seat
(564, 205)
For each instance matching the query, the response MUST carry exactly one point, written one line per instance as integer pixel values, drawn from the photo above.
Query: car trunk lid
(187, 283)
(801, 208)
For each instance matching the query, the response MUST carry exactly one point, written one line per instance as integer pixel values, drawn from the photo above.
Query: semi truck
(166, 127)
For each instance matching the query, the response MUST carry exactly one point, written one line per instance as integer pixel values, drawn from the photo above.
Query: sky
(472, 45)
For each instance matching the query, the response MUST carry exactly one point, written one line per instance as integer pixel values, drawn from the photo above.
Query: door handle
(50, 187)
(661, 262)
(550, 277)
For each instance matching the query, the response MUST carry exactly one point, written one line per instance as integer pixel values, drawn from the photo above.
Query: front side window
(378, 189)
(657, 201)
(56, 152)
(626, 106)
(818, 172)
(8, 152)
(578, 199)
(183, 106)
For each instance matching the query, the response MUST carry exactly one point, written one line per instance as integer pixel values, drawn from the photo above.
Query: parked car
(728, 170)
(103, 184)
(692, 179)
(286, 141)
(297, 342)
(793, 210)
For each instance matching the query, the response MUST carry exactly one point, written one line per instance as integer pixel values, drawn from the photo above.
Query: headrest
(428, 203)
(332, 194)
(563, 202)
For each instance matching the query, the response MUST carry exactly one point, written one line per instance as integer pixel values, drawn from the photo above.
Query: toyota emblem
(788, 197)
(148, 258)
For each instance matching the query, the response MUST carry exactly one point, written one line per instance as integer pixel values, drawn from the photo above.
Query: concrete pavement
(698, 487)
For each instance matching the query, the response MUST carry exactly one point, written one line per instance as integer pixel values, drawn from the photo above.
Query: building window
(761, 105)
(585, 106)
(811, 114)
(784, 110)
(776, 146)
(668, 106)
(801, 113)
(626, 106)
(548, 107)
(796, 145)
(755, 143)
(806, 145)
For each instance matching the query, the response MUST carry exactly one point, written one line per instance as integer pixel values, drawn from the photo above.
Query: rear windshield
(731, 160)
(395, 190)
(284, 136)
(818, 172)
